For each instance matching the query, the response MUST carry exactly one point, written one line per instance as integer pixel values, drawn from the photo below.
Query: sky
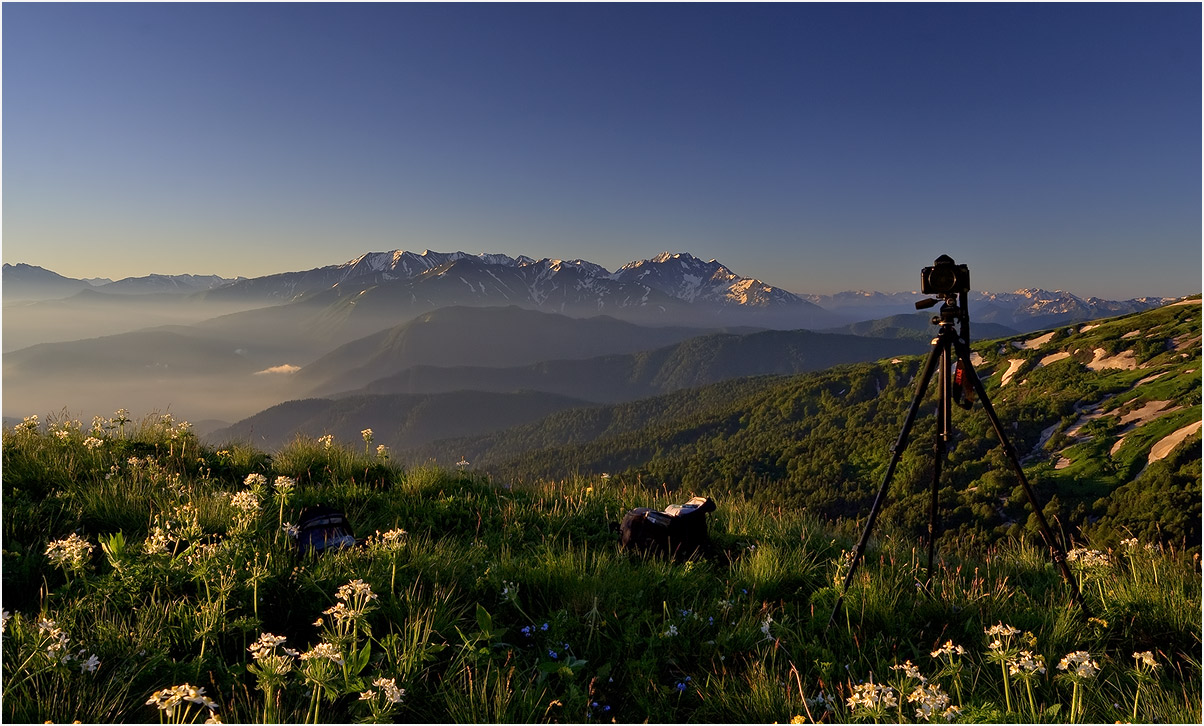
(816, 147)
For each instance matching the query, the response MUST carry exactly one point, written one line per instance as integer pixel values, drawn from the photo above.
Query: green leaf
(484, 620)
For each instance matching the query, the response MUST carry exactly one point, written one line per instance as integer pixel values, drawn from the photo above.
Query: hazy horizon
(816, 147)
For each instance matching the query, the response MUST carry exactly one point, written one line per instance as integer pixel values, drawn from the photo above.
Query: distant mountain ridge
(30, 282)
(670, 288)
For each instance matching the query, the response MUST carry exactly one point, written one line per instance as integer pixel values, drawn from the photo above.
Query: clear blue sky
(816, 147)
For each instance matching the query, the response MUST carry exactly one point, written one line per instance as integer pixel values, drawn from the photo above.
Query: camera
(945, 278)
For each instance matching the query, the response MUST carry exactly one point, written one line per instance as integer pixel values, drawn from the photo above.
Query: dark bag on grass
(679, 532)
(322, 528)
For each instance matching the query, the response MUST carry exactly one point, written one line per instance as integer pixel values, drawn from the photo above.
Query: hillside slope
(693, 362)
(1087, 407)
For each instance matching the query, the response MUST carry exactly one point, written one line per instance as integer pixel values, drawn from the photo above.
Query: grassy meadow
(150, 578)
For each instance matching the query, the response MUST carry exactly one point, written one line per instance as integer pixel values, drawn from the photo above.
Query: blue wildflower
(552, 654)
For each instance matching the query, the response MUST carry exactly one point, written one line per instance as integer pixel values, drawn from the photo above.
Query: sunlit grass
(494, 602)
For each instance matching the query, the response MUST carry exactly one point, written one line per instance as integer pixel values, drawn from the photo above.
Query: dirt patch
(1033, 343)
(1163, 448)
(1154, 377)
(1052, 358)
(1150, 411)
(1013, 366)
(1124, 361)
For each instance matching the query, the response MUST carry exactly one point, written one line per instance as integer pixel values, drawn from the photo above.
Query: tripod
(947, 341)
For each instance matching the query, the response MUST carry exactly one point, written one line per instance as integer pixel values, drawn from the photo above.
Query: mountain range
(397, 322)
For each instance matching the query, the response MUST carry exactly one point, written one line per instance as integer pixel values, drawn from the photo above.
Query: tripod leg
(1059, 557)
(939, 351)
(943, 428)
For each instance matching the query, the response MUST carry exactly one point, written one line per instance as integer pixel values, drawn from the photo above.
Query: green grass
(512, 603)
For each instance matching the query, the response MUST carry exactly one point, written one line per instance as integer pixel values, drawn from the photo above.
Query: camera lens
(943, 278)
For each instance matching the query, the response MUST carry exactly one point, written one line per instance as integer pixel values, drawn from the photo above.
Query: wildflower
(552, 654)
(910, 671)
(393, 694)
(4, 616)
(1129, 544)
(323, 650)
(70, 553)
(462, 463)
(393, 539)
(544, 627)
(1146, 658)
(255, 480)
(92, 443)
(367, 434)
(285, 486)
(1026, 663)
(672, 631)
(765, 627)
(266, 645)
(245, 501)
(62, 434)
(948, 649)
(798, 719)
(90, 665)
(29, 425)
(382, 451)
(929, 699)
(291, 530)
(327, 441)
(1079, 664)
(169, 699)
(526, 631)
(872, 697)
(356, 589)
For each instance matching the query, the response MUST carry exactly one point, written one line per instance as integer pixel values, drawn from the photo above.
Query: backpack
(679, 532)
(322, 528)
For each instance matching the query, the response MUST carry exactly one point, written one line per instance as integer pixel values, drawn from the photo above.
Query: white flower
(1026, 663)
(285, 485)
(910, 671)
(71, 552)
(672, 631)
(872, 696)
(93, 443)
(765, 627)
(327, 440)
(4, 616)
(291, 530)
(90, 665)
(929, 699)
(266, 645)
(245, 501)
(948, 649)
(1146, 658)
(393, 694)
(367, 434)
(323, 650)
(255, 480)
(1079, 664)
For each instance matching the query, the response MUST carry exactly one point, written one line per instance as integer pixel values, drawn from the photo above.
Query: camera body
(945, 277)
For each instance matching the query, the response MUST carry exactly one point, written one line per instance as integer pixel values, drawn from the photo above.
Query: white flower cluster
(872, 696)
(323, 650)
(245, 502)
(1091, 561)
(266, 646)
(388, 689)
(169, 699)
(930, 700)
(1146, 659)
(285, 486)
(948, 649)
(56, 646)
(1026, 664)
(1001, 636)
(1079, 664)
(70, 553)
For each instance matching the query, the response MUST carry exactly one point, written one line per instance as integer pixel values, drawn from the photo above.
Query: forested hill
(1105, 415)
